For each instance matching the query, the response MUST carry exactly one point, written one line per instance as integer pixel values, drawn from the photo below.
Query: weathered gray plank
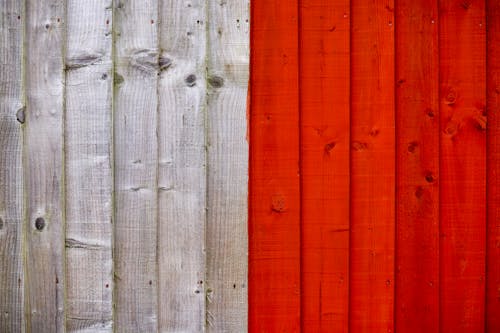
(227, 243)
(182, 173)
(135, 144)
(89, 182)
(11, 174)
(44, 164)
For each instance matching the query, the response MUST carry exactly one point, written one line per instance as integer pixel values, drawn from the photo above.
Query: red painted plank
(493, 148)
(274, 226)
(372, 167)
(462, 48)
(324, 84)
(417, 133)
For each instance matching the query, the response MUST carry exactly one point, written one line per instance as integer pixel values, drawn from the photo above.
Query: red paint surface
(417, 136)
(324, 92)
(370, 165)
(274, 230)
(462, 176)
(493, 176)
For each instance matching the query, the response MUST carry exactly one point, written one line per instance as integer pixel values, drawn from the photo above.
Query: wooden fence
(373, 171)
(123, 165)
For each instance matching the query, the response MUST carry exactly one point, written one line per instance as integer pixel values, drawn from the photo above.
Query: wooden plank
(12, 20)
(227, 205)
(324, 105)
(372, 167)
(462, 175)
(182, 166)
(274, 227)
(88, 163)
(44, 165)
(417, 137)
(135, 151)
(493, 167)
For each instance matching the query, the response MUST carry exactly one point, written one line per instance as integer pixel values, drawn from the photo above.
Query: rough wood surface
(325, 134)
(182, 166)
(11, 173)
(226, 234)
(417, 136)
(135, 152)
(45, 31)
(372, 167)
(493, 167)
(462, 175)
(274, 223)
(88, 163)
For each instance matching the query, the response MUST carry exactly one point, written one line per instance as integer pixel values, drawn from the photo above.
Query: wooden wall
(123, 165)
(368, 200)
(374, 169)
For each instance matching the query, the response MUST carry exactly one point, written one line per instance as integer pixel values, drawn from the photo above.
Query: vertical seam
(349, 292)
(157, 208)
(157, 130)
(439, 166)
(300, 166)
(26, 320)
(396, 167)
(488, 137)
(113, 173)
(63, 162)
(205, 321)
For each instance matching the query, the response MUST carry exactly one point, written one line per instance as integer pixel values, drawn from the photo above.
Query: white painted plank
(88, 162)
(11, 174)
(182, 173)
(135, 144)
(44, 164)
(227, 241)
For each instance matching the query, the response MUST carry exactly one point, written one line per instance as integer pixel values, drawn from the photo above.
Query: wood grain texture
(11, 163)
(227, 173)
(182, 166)
(135, 154)
(88, 163)
(274, 225)
(462, 176)
(493, 167)
(45, 31)
(371, 302)
(417, 133)
(325, 141)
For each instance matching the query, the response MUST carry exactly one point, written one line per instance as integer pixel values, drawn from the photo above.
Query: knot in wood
(429, 177)
(278, 203)
(216, 81)
(451, 128)
(412, 146)
(40, 223)
(329, 146)
(451, 97)
(190, 80)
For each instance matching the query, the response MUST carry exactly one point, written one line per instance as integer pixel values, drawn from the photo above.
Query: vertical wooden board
(44, 165)
(227, 182)
(274, 228)
(324, 107)
(11, 175)
(372, 167)
(182, 166)
(417, 133)
(135, 155)
(88, 163)
(462, 175)
(493, 167)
